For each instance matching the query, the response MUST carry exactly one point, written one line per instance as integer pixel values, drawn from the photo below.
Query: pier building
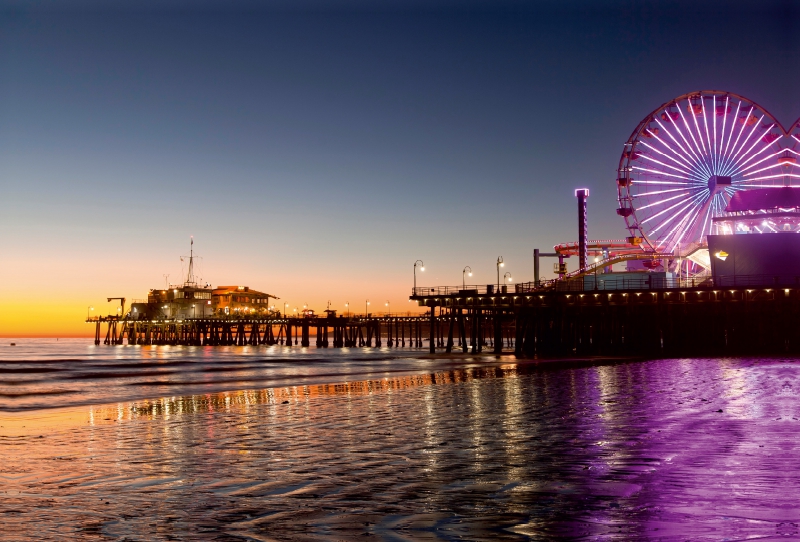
(190, 300)
(242, 300)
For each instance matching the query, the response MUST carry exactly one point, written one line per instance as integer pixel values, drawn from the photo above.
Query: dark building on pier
(758, 239)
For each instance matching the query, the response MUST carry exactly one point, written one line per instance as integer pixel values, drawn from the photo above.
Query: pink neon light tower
(583, 228)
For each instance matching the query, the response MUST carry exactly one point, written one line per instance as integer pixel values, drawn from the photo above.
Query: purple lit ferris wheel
(686, 159)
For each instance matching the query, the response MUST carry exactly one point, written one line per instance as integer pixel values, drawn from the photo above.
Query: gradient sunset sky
(316, 149)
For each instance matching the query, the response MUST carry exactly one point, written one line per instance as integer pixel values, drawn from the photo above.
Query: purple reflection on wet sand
(680, 449)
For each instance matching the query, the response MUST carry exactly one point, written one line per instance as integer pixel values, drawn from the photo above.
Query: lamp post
(387, 307)
(596, 259)
(421, 268)
(507, 275)
(365, 308)
(87, 311)
(347, 306)
(285, 308)
(463, 280)
(500, 264)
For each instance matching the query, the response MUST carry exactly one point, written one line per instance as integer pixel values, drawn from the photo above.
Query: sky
(315, 150)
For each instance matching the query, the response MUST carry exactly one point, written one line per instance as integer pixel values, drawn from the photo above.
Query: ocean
(275, 443)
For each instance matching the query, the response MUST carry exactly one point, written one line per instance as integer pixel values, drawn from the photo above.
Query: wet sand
(690, 449)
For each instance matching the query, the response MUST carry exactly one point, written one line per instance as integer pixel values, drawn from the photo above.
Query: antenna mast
(190, 274)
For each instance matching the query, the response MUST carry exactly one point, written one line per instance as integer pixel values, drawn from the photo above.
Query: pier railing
(643, 281)
(472, 290)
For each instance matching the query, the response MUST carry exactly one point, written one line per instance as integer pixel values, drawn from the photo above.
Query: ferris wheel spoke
(696, 201)
(708, 137)
(690, 219)
(692, 168)
(689, 129)
(677, 213)
(659, 202)
(680, 226)
(688, 150)
(650, 158)
(735, 157)
(698, 154)
(660, 192)
(668, 183)
(701, 148)
(767, 168)
(668, 209)
(708, 215)
(768, 177)
(664, 173)
(715, 154)
(744, 167)
(733, 128)
(738, 137)
(665, 155)
(687, 155)
(731, 147)
(725, 110)
(738, 161)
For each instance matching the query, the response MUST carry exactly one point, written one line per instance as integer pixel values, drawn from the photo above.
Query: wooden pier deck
(640, 317)
(337, 332)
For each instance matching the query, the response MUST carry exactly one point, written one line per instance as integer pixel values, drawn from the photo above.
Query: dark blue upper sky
(342, 135)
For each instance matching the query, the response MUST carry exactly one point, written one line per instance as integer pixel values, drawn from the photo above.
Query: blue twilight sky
(316, 149)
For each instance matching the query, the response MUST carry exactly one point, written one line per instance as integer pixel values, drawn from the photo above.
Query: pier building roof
(757, 199)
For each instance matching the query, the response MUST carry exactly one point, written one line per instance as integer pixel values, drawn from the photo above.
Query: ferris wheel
(686, 159)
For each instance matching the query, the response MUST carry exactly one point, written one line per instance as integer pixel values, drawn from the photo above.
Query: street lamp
(285, 308)
(365, 308)
(87, 311)
(463, 280)
(507, 275)
(387, 306)
(421, 268)
(347, 306)
(596, 259)
(500, 264)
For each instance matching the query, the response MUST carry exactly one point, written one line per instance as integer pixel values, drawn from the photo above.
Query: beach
(494, 449)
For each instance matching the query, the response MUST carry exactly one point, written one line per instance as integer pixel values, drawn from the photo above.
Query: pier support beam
(498, 332)
(433, 330)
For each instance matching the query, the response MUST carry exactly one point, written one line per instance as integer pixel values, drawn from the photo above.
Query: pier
(334, 331)
(644, 317)
(634, 316)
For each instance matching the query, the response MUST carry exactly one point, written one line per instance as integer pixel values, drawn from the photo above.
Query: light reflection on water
(39, 374)
(538, 451)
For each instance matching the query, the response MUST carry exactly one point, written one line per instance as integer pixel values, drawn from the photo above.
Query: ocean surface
(272, 443)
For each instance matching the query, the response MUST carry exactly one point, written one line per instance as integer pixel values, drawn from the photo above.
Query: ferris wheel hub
(718, 183)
